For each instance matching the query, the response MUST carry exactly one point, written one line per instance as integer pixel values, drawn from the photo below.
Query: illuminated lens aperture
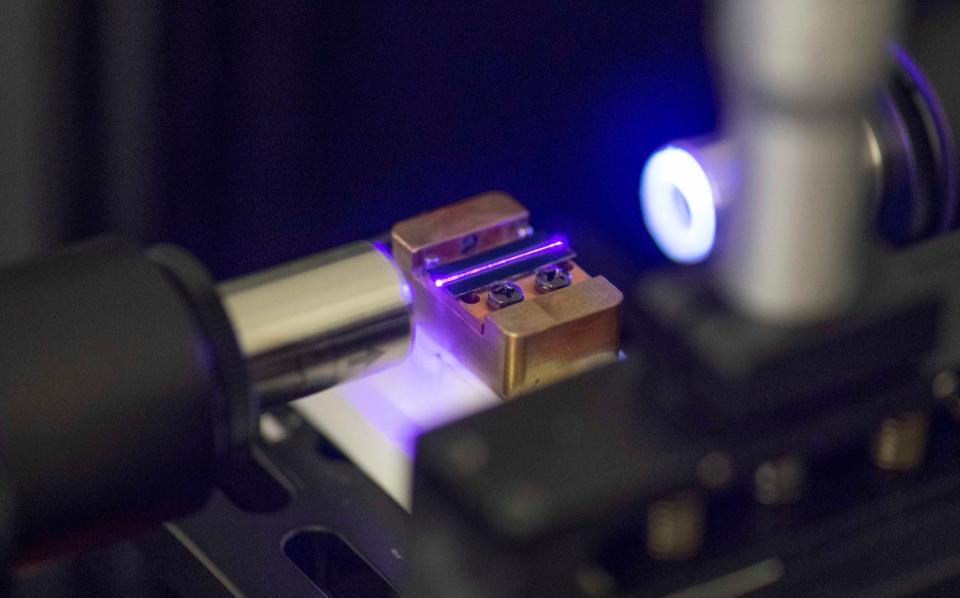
(678, 205)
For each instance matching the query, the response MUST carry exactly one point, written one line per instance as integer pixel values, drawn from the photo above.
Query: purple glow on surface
(942, 125)
(439, 282)
(383, 247)
(392, 402)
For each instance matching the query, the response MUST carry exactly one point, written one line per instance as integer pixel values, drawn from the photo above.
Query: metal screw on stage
(503, 294)
(551, 278)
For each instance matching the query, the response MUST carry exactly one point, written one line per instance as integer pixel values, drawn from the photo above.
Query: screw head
(945, 385)
(503, 294)
(715, 469)
(675, 526)
(780, 481)
(469, 243)
(551, 278)
(596, 581)
(900, 443)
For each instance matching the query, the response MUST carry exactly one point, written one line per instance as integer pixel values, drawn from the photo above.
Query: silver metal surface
(316, 322)
(798, 79)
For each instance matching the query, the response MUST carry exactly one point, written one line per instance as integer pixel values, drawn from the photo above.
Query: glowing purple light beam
(439, 282)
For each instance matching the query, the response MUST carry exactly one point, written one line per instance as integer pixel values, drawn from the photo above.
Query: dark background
(252, 133)
(332, 123)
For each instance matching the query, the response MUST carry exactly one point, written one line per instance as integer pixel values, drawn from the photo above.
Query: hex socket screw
(503, 294)
(551, 278)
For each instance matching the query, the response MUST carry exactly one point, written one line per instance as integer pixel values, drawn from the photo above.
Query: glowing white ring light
(678, 205)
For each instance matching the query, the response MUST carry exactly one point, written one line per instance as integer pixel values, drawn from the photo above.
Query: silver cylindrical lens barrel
(319, 321)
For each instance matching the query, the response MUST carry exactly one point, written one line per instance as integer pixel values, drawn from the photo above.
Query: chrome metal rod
(319, 321)
(798, 79)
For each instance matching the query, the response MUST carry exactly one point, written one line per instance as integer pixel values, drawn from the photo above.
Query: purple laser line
(496, 264)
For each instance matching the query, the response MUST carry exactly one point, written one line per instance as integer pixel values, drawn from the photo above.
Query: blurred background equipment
(908, 167)
(795, 248)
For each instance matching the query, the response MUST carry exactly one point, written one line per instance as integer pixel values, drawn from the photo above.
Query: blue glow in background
(295, 126)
